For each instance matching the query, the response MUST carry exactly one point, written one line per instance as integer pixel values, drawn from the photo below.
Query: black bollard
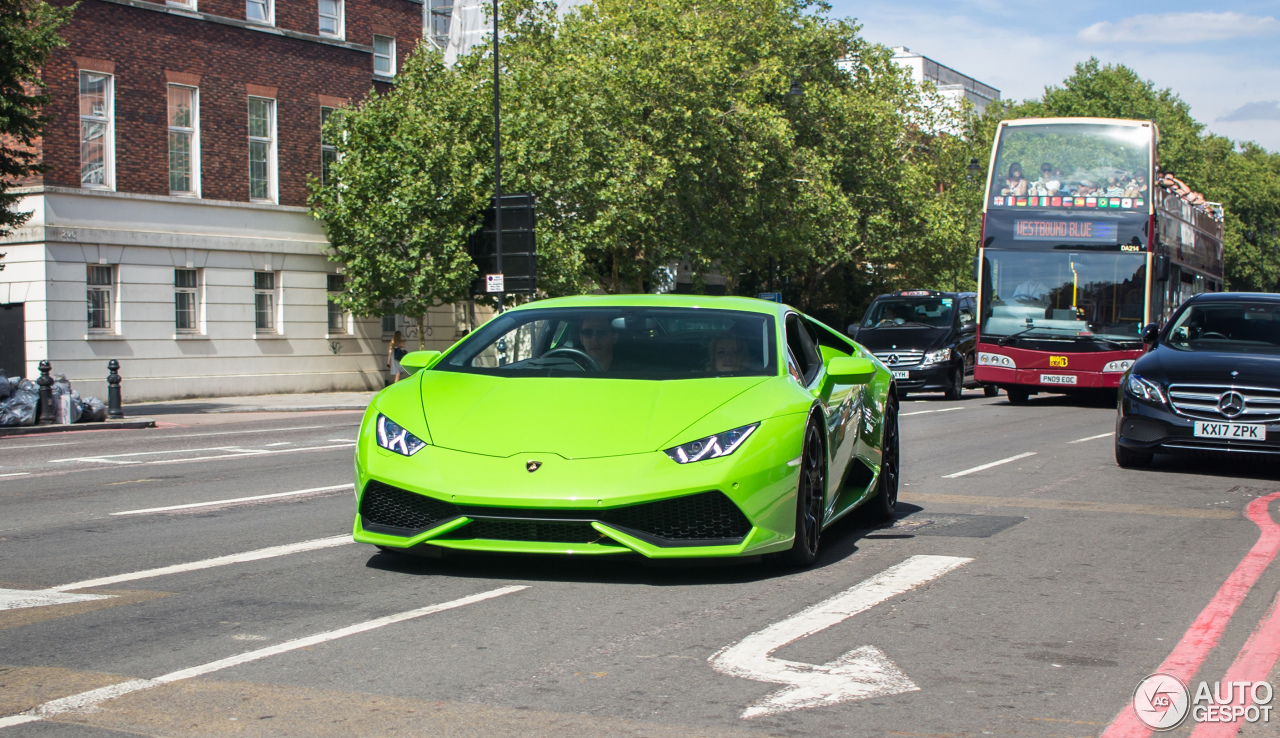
(114, 411)
(46, 416)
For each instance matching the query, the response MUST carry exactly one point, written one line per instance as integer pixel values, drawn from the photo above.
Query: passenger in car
(727, 354)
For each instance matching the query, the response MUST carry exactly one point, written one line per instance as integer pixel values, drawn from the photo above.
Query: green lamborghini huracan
(663, 425)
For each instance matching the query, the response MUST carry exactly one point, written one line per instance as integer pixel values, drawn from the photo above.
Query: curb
(174, 410)
(106, 425)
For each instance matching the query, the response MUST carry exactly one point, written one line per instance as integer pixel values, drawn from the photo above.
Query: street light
(796, 90)
(497, 160)
(974, 168)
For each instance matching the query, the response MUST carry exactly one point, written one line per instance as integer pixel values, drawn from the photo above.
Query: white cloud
(1261, 110)
(1181, 28)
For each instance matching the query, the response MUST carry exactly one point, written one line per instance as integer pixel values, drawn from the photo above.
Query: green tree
(28, 36)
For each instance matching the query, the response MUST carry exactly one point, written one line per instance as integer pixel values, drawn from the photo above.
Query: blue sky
(1223, 58)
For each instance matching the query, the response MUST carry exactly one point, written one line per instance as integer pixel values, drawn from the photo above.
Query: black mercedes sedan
(1210, 383)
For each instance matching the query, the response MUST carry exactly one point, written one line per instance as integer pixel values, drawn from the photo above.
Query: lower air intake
(708, 516)
(387, 509)
(549, 531)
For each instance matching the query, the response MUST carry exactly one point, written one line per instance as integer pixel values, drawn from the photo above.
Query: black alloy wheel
(885, 504)
(990, 390)
(809, 498)
(956, 390)
(1018, 395)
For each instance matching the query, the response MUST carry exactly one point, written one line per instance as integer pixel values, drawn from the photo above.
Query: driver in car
(890, 317)
(598, 338)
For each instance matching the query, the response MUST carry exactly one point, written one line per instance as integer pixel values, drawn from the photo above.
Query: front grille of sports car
(387, 509)
(707, 518)
(700, 517)
(554, 531)
(1261, 405)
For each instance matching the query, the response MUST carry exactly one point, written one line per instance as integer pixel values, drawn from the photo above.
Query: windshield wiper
(1005, 341)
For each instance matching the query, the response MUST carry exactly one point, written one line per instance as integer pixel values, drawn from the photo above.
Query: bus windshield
(1062, 295)
(1072, 165)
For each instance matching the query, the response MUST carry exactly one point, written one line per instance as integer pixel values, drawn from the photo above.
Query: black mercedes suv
(927, 339)
(1210, 383)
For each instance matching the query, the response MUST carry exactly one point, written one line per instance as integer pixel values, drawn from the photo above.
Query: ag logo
(532, 466)
(1161, 701)
(1057, 361)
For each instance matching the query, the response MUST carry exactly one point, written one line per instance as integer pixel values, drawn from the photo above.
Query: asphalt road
(1080, 580)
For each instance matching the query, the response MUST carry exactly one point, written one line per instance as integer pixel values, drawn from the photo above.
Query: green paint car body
(669, 426)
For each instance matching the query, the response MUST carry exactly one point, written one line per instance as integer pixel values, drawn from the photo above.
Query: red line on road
(1203, 635)
(1252, 664)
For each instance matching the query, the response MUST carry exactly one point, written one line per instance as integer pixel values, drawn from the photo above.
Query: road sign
(770, 296)
(493, 283)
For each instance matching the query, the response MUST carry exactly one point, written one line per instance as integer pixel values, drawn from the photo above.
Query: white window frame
(273, 193)
(194, 132)
(197, 304)
(390, 56)
(270, 6)
(188, 4)
(109, 135)
(326, 148)
(275, 310)
(109, 292)
(331, 309)
(339, 20)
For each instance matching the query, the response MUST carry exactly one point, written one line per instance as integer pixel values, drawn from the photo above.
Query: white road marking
(277, 443)
(13, 599)
(111, 458)
(313, 490)
(256, 555)
(236, 433)
(859, 674)
(922, 412)
(1093, 438)
(237, 453)
(33, 445)
(86, 700)
(15, 474)
(988, 466)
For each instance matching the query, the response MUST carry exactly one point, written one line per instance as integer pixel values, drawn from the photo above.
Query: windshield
(1063, 295)
(919, 312)
(1227, 326)
(622, 343)
(1072, 165)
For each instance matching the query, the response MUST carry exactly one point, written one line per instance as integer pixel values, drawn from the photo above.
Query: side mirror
(977, 269)
(852, 331)
(969, 327)
(1149, 333)
(415, 360)
(848, 370)
(1160, 271)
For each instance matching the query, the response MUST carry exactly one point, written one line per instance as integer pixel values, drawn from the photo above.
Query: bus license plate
(901, 375)
(1057, 379)
(1235, 431)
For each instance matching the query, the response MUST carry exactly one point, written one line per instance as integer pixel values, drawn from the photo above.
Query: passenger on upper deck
(1015, 184)
(1048, 184)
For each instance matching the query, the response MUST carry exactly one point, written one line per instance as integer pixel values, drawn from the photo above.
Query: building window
(97, 136)
(101, 283)
(186, 300)
(331, 18)
(388, 324)
(384, 56)
(328, 151)
(188, 4)
(337, 316)
(441, 12)
(260, 11)
(184, 144)
(262, 149)
(264, 302)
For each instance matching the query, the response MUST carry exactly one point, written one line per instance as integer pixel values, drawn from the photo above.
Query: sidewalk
(296, 403)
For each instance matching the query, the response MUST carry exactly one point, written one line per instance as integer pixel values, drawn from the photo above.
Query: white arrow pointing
(861, 673)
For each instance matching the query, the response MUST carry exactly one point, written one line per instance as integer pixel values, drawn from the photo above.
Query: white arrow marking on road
(861, 673)
(13, 599)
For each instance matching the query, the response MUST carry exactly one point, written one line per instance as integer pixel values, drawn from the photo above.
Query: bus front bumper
(1047, 380)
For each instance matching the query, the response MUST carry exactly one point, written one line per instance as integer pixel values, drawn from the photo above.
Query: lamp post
(497, 160)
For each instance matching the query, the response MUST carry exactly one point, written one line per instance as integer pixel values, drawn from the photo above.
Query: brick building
(171, 230)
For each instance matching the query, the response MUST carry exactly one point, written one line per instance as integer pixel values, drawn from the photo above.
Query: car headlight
(396, 439)
(1144, 389)
(711, 447)
(1118, 366)
(937, 357)
(1000, 360)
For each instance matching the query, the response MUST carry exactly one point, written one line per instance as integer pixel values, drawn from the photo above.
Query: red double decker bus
(1080, 251)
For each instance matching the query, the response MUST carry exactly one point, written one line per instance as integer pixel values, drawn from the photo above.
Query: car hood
(575, 418)
(887, 339)
(1174, 366)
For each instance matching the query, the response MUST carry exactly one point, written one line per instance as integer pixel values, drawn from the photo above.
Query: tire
(990, 390)
(1018, 395)
(885, 504)
(809, 499)
(956, 390)
(1127, 459)
(902, 397)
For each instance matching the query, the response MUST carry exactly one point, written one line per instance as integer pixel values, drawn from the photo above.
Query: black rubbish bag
(20, 407)
(6, 389)
(92, 410)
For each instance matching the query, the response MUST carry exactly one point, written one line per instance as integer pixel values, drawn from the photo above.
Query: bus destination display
(1084, 231)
